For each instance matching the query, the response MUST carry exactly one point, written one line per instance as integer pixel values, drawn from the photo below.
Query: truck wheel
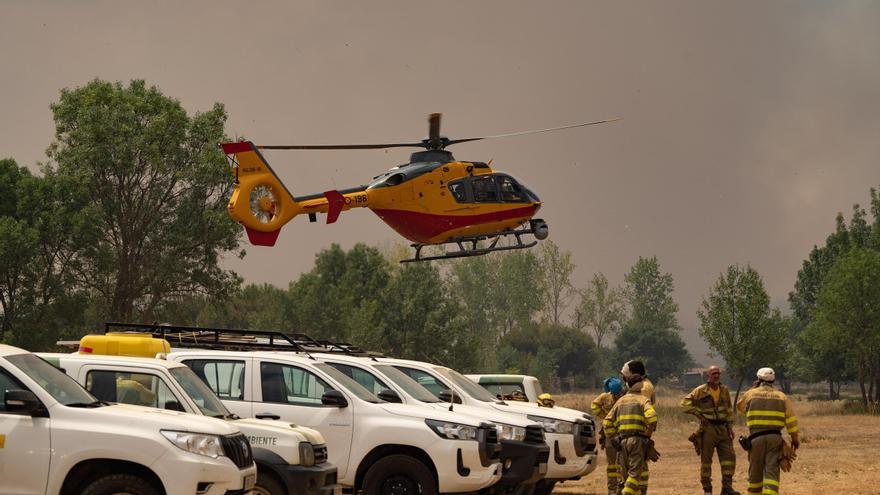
(399, 475)
(544, 487)
(120, 484)
(268, 485)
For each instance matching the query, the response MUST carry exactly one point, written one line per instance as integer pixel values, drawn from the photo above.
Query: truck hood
(160, 419)
(560, 413)
(265, 427)
(493, 415)
(420, 412)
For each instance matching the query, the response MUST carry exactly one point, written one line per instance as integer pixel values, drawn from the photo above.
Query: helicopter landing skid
(465, 251)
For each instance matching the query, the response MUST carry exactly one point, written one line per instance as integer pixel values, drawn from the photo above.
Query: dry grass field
(839, 454)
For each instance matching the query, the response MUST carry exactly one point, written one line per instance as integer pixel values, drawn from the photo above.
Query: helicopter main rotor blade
(535, 131)
(338, 146)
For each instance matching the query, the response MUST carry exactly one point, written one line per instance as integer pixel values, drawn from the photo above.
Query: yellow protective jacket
(766, 408)
(648, 390)
(602, 404)
(700, 403)
(633, 414)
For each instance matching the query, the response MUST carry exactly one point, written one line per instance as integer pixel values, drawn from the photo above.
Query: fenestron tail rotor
(434, 140)
(264, 203)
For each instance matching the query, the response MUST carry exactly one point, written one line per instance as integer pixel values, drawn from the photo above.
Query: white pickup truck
(522, 388)
(58, 439)
(291, 459)
(378, 447)
(570, 434)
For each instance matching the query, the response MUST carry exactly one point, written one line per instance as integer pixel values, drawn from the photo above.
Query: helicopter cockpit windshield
(491, 188)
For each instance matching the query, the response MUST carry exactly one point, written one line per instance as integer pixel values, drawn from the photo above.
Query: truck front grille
(320, 454)
(237, 449)
(534, 434)
(543, 457)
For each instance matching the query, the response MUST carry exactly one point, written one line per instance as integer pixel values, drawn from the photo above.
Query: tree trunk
(742, 378)
(862, 386)
(831, 390)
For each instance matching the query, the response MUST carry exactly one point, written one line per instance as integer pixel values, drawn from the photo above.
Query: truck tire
(399, 475)
(120, 484)
(268, 485)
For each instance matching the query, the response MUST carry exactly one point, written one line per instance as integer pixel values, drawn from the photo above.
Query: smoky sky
(746, 125)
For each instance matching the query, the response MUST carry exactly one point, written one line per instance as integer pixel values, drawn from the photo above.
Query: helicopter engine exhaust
(540, 228)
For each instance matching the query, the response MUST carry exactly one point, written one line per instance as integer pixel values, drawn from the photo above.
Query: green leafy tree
(651, 333)
(45, 223)
(555, 281)
(738, 324)
(549, 352)
(848, 307)
(159, 185)
(602, 309)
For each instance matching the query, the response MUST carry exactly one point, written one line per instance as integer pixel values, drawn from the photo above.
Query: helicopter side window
(510, 190)
(458, 191)
(484, 189)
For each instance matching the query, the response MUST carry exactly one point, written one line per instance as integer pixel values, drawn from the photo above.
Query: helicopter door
(511, 191)
(485, 190)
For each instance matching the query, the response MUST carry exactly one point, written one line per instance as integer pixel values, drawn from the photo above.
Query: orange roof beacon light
(434, 199)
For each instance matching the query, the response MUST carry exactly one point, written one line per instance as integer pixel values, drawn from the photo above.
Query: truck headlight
(554, 425)
(196, 443)
(510, 432)
(452, 431)
(306, 454)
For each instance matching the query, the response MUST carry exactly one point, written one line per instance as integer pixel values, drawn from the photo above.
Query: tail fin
(259, 201)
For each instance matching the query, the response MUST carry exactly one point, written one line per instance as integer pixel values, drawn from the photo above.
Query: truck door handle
(267, 416)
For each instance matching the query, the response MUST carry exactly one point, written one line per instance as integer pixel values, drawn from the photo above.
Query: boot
(729, 491)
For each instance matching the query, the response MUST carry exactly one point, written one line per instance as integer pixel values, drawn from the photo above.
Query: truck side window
(226, 378)
(484, 189)
(7, 382)
(366, 379)
(291, 385)
(506, 391)
(140, 389)
(425, 379)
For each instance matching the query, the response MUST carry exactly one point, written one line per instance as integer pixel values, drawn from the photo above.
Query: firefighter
(546, 400)
(711, 404)
(629, 426)
(767, 412)
(601, 406)
(637, 369)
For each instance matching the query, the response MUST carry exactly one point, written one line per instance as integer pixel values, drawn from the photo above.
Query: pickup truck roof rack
(216, 338)
(240, 339)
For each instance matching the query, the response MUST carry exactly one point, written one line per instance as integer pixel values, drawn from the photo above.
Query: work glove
(795, 442)
(602, 441)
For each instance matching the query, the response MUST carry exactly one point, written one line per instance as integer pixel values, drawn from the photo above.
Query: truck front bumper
(183, 473)
(522, 463)
(315, 480)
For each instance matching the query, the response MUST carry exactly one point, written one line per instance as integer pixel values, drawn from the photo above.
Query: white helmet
(766, 375)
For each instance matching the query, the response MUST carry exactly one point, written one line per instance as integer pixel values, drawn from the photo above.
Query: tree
(549, 352)
(738, 324)
(848, 306)
(45, 223)
(602, 310)
(159, 185)
(556, 288)
(651, 333)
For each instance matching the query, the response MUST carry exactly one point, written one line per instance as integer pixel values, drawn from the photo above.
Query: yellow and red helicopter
(432, 200)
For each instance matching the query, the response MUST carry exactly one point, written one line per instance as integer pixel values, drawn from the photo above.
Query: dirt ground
(839, 454)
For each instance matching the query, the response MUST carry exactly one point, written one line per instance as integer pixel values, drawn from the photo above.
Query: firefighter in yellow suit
(711, 404)
(767, 412)
(601, 406)
(629, 425)
(636, 369)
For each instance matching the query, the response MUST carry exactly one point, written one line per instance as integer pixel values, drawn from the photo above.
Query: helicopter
(433, 200)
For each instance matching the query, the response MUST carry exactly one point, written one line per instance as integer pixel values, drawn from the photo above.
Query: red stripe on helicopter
(421, 227)
(230, 148)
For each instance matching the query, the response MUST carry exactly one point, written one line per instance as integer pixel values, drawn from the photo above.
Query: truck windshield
(352, 386)
(469, 387)
(61, 387)
(196, 389)
(408, 385)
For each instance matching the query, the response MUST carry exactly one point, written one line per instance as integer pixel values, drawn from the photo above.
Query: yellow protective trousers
(633, 461)
(716, 437)
(764, 465)
(614, 472)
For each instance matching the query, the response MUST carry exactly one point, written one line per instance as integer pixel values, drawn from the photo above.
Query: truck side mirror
(173, 405)
(23, 402)
(334, 398)
(389, 396)
(448, 396)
